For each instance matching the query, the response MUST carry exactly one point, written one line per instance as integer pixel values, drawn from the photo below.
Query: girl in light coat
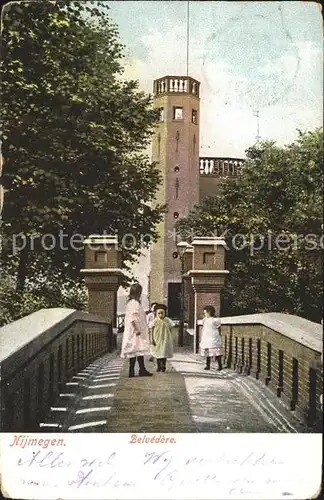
(136, 342)
(211, 340)
(162, 340)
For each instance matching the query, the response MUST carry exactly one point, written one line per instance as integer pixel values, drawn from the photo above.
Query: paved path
(227, 401)
(185, 398)
(151, 404)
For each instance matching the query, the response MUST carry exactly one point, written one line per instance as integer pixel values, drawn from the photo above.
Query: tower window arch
(177, 169)
(177, 188)
(159, 145)
(177, 138)
(176, 215)
(194, 144)
(161, 117)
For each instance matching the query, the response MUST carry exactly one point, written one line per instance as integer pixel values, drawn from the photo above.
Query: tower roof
(176, 84)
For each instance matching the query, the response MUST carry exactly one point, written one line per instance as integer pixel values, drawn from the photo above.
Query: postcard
(161, 250)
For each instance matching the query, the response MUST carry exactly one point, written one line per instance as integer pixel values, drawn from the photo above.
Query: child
(211, 341)
(136, 340)
(162, 341)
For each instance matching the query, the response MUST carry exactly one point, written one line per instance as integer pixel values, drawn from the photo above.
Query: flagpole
(188, 38)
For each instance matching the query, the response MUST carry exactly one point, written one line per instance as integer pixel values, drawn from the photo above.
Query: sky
(248, 56)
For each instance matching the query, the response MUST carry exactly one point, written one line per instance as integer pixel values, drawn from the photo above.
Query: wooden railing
(38, 354)
(284, 352)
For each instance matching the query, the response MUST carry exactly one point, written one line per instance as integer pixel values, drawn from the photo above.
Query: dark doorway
(174, 300)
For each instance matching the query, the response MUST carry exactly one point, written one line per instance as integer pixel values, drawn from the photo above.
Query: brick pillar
(207, 274)
(188, 256)
(102, 275)
(191, 307)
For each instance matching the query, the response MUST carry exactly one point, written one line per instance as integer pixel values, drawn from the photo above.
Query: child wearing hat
(162, 340)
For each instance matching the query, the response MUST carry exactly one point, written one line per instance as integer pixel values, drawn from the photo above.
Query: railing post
(242, 367)
(60, 373)
(40, 392)
(312, 381)
(73, 364)
(82, 357)
(295, 384)
(78, 360)
(235, 353)
(91, 338)
(67, 359)
(258, 367)
(250, 362)
(26, 404)
(197, 338)
(51, 380)
(268, 377)
(230, 349)
(280, 385)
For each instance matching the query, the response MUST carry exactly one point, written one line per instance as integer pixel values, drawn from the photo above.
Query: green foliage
(279, 195)
(73, 133)
(41, 292)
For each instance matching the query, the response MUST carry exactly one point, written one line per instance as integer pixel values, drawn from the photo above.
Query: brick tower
(176, 149)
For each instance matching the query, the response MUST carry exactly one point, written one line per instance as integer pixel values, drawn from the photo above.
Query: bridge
(61, 372)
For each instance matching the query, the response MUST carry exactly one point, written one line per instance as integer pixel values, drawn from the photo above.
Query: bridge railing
(283, 351)
(38, 354)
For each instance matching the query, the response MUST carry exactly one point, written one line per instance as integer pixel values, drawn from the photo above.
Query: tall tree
(272, 219)
(74, 132)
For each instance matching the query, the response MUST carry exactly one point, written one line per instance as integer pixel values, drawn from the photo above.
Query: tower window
(177, 113)
(194, 116)
(176, 168)
(161, 117)
(177, 187)
(176, 215)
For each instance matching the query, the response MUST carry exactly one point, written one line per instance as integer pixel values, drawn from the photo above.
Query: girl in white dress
(136, 341)
(211, 340)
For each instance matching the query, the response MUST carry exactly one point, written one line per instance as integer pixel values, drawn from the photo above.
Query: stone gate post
(208, 273)
(188, 291)
(103, 275)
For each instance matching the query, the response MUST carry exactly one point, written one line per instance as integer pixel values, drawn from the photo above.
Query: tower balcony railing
(176, 84)
(220, 167)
